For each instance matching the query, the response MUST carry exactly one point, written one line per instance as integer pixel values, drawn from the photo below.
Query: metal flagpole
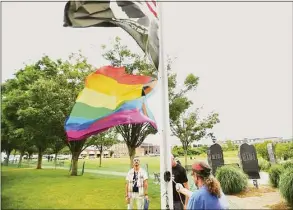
(165, 148)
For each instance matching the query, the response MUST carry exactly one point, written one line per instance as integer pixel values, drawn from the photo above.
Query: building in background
(150, 149)
(255, 140)
(202, 142)
(92, 152)
(121, 150)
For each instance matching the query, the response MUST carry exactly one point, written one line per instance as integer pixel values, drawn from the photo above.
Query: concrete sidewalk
(114, 173)
(259, 202)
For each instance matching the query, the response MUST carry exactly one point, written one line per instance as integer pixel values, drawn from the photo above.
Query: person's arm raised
(182, 190)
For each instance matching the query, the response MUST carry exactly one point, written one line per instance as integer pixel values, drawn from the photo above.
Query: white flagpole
(165, 148)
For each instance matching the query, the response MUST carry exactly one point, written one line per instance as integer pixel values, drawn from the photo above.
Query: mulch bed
(253, 192)
(281, 205)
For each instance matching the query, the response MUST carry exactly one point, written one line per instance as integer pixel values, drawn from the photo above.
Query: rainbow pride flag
(110, 98)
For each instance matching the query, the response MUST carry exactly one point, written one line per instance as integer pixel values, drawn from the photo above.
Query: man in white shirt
(136, 185)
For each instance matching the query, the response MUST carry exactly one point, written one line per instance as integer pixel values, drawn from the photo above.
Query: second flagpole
(165, 148)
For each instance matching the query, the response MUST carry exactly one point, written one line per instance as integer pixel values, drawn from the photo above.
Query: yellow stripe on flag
(111, 87)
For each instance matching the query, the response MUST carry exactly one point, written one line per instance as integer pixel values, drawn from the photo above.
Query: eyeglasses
(136, 160)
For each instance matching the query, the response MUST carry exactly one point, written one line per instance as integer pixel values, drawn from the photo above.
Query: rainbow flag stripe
(110, 98)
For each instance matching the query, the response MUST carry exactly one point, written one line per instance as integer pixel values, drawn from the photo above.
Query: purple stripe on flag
(119, 118)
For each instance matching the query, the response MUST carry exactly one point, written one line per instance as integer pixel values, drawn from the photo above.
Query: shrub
(178, 151)
(264, 165)
(262, 151)
(286, 185)
(284, 150)
(288, 164)
(274, 174)
(233, 180)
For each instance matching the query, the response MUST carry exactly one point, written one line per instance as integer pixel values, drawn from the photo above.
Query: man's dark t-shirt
(135, 178)
(179, 174)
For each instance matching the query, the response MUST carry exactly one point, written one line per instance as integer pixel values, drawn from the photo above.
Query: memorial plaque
(249, 162)
(215, 157)
(271, 153)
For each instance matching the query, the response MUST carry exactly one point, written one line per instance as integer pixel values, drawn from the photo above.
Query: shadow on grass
(5, 201)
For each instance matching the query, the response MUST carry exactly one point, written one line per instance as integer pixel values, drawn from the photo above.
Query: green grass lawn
(28, 188)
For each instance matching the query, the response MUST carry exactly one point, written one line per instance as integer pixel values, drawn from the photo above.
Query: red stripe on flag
(154, 2)
(151, 9)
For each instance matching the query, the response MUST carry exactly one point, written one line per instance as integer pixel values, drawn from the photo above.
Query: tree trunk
(185, 157)
(74, 167)
(20, 159)
(131, 152)
(55, 160)
(40, 156)
(30, 155)
(8, 155)
(14, 160)
(101, 153)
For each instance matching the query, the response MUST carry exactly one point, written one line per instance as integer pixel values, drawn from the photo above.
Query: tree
(23, 144)
(42, 117)
(7, 143)
(119, 55)
(57, 145)
(134, 135)
(177, 151)
(229, 146)
(284, 150)
(41, 96)
(65, 151)
(188, 128)
(185, 123)
(104, 141)
(30, 150)
(262, 150)
(8, 134)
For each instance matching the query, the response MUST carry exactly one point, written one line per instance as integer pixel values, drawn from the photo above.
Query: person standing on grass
(136, 188)
(209, 195)
(179, 175)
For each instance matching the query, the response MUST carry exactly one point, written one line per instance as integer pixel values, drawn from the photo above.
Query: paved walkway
(255, 202)
(234, 201)
(95, 171)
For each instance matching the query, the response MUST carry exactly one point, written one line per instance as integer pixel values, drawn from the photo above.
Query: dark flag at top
(138, 18)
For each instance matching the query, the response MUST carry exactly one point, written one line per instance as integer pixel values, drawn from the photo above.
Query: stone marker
(249, 162)
(271, 153)
(215, 157)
